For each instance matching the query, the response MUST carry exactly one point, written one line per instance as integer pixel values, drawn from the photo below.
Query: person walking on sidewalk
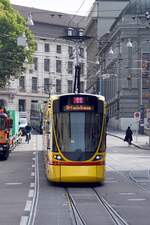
(128, 135)
(28, 129)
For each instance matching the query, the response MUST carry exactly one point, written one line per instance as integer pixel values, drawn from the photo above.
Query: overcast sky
(66, 6)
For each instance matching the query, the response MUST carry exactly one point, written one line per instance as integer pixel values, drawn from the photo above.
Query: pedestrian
(28, 129)
(128, 135)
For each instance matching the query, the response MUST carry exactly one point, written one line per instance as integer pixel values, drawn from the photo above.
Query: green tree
(12, 56)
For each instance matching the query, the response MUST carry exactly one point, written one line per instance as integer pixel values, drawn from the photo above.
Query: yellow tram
(75, 138)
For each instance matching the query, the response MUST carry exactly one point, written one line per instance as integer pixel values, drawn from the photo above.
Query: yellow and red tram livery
(75, 138)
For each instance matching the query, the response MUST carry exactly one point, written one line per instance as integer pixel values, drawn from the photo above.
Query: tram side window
(47, 131)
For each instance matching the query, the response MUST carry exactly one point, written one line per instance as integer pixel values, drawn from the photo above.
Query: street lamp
(30, 20)
(141, 122)
(111, 52)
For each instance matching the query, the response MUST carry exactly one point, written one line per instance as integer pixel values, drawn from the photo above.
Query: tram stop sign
(137, 116)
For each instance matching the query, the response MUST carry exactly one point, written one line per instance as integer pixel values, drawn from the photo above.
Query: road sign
(137, 116)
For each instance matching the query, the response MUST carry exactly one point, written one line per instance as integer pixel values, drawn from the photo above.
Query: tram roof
(85, 94)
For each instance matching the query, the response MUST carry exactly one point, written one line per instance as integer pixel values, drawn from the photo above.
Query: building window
(70, 67)
(70, 52)
(46, 85)
(58, 86)
(46, 65)
(70, 31)
(34, 84)
(81, 52)
(82, 68)
(58, 66)
(22, 105)
(70, 83)
(58, 49)
(22, 83)
(82, 86)
(46, 47)
(35, 63)
(80, 32)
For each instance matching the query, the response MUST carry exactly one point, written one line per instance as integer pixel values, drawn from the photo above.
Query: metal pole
(100, 86)
(136, 131)
(77, 71)
(141, 122)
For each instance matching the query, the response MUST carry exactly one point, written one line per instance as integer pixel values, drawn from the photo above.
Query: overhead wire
(76, 12)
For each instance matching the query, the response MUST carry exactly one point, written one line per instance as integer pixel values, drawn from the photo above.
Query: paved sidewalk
(24, 146)
(140, 141)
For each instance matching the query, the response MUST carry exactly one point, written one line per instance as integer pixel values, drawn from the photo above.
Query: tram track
(77, 217)
(101, 204)
(118, 220)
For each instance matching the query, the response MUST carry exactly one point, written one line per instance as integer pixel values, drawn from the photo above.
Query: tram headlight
(98, 157)
(58, 157)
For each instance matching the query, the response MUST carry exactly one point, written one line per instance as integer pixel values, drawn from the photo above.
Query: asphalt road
(27, 198)
(15, 179)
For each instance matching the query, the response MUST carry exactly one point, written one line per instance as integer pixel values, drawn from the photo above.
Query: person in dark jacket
(28, 129)
(128, 136)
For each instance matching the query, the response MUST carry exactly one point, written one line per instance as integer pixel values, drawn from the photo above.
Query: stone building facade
(99, 21)
(123, 74)
(52, 71)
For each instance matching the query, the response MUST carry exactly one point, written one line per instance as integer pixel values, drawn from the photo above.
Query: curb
(138, 146)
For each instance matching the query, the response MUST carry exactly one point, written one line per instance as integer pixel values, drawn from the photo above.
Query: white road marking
(17, 183)
(28, 205)
(32, 185)
(136, 199)
(36, 195)
(33, 165)
(110, 178)
(31, 193)
(111, 181)
(127, 193)
(32, 174)
(24, 220)
(33, 158)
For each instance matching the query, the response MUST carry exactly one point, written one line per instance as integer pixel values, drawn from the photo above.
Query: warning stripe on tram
(62, 163)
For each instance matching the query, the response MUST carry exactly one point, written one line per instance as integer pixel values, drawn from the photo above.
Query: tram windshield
(78, 133)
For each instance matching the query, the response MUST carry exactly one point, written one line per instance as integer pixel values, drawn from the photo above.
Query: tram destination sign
(78, 103)
(78, 108)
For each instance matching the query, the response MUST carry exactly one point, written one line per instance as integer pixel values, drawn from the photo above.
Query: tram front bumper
(83, 174)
